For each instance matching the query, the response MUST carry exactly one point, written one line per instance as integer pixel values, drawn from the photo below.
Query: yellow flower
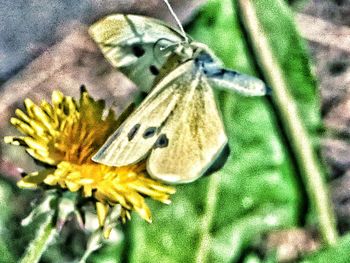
(65, 135)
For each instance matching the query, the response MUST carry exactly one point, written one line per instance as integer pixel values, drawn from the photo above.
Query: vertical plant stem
(296, 132)
(44, 235)
(87, 253)
(94, 243)
(207, 219)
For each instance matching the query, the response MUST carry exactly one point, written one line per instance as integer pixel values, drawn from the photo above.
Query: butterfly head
(193, 50)
(164, 47)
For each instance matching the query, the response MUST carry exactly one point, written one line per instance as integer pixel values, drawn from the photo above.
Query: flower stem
(43, 237)
(297, 134)
(94, 243)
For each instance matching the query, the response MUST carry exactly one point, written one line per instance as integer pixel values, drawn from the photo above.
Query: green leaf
(336, 254)
(45, 232)
(284, 63)
(111, 251)
(291, 54)
(217, 217)
(6, 252)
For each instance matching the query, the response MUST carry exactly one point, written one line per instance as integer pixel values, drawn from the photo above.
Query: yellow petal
(107, 232)
(41, 156)
(28, 103)
(102, 211)
(15, 140)
(35, 144)
(144, 212)
(22, 126)
(73, 187)
(34, 179)
(87, 189)
(42, 116)
(51, 180)
(57, 98)
(20, 114)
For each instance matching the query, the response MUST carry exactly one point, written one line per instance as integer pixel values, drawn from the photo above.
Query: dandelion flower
(64, 135)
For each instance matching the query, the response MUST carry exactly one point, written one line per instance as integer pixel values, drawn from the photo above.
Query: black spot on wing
(149, 132)
(133, 131)
(161, 142)
(138, 51)
(153, 69)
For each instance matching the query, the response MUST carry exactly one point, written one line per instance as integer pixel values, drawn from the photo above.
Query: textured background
(44, 46)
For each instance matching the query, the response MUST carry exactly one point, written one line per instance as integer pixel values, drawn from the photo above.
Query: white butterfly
(178, 126)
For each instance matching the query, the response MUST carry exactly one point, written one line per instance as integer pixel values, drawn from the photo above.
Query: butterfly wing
(178, 124)
(139, 132)
(195, 134)
(135, 45)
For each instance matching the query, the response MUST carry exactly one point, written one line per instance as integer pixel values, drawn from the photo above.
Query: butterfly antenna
(176, 19)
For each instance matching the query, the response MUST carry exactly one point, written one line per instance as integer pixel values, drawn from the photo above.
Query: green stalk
(296, 132)
(207, 219)
(94, 243)
(44, 235)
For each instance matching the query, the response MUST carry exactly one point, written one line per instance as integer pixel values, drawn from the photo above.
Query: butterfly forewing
(134, 139)
(134, 44)
(185, 126)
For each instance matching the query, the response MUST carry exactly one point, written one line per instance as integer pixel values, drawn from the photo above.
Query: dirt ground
(332, 66)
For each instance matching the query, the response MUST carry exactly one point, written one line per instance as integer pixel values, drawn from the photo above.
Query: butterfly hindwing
(194, 135)
(185, 132)
(134, 45)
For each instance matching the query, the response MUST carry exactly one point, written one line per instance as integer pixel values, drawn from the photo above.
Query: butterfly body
(178, 126)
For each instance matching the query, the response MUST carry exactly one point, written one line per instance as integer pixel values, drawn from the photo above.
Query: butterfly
(178, 126)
